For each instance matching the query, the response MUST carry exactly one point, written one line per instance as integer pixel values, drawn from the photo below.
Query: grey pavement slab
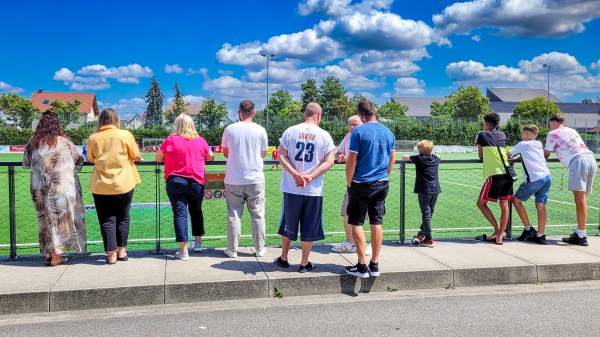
(327, 278)
(90, 283)
(212, 276)
(26, 283)
(480, 263)
(403, 267)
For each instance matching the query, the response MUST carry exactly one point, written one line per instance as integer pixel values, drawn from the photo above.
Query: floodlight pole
(267, 56)
(548, 94)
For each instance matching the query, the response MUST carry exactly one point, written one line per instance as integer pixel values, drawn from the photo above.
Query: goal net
(151, 145)
(406, 145)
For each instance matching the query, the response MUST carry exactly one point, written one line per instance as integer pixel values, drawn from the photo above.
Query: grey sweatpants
(254, 197)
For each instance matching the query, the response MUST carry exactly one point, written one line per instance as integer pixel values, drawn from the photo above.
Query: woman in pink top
(184, 153)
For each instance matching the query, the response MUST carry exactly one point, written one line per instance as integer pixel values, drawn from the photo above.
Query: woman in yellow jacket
(113, 152)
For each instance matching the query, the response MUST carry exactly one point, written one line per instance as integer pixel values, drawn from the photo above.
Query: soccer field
(456, 214)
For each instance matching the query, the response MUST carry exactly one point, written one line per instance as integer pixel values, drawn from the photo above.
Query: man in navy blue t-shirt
(368, 166)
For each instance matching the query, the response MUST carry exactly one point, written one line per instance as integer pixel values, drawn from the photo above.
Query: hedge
(440, 131)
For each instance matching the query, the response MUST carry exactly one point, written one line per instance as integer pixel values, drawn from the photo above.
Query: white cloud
(336, 8)
(560, 63)
(173, 68)
(191, 71)
(188, 99)
(94, 77)
(387, 63)
(475, 73)
(128, 72)
(7, 88)
(308, 45)
(379, 31)
(595, 65)
(476, 38)
(525, 18)
(409, 86)
(567, 75)
(80, 83)
(246, 54)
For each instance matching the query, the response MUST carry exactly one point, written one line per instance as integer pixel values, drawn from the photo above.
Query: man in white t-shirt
(537, 182)
(245, 145)
(305, 153)
(579, 160)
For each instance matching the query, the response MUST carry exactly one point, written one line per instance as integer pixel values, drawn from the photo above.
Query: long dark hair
(47, 131)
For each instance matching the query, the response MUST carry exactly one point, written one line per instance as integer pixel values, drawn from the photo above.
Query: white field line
(479, 187)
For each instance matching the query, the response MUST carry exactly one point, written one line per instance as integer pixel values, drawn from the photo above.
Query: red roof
(42, 100)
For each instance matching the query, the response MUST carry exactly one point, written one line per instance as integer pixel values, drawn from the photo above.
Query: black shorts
(367, 198)
(497, 187)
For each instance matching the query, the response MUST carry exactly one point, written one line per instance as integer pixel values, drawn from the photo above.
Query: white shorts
(582, 170)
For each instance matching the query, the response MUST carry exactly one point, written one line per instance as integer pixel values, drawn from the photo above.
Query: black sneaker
(281, 263)
(373, 268)
(305, 269)
(358, 270)
(538, 239)
(574, 239)
(527, 234)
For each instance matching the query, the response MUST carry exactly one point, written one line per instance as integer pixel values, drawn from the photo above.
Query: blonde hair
(425, 147)
(184, 126)
(532, 129)
(108, 116)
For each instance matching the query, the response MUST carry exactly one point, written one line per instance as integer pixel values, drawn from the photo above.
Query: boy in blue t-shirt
(427, 187)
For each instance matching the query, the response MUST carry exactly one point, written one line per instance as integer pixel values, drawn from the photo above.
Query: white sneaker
(183, 256)
(369, 250)
(198, 247)
(344, 247)
(261, 253)
(230, 253)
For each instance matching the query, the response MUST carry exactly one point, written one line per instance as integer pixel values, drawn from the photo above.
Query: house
(88, 107)
(580, 116)
(190, 109)
(135, 122)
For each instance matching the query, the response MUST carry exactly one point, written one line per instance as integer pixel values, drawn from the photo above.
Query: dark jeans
(186, 194)
(427, 204)
(113, 215)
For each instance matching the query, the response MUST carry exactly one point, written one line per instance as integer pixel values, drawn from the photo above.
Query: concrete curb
(27, 286)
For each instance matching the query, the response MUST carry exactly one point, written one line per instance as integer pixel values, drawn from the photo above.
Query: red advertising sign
(17, 148)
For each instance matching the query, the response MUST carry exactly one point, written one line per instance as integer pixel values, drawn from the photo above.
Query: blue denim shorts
(539, 188)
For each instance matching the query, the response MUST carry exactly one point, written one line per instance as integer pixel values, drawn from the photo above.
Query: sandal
(62, 261)
(108, 261)
(124, 258)
(481, 237)
(48, 261)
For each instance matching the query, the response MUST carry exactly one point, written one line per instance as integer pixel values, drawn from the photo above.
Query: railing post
(510, 204)
(402, 202)
(157, 180)
(11, 211)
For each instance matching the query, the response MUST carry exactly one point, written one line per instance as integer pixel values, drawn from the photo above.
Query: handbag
(510, 171)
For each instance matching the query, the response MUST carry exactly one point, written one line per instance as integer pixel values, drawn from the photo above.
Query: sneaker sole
(343, 251)
(198, 250)
(374, 273)
(357, 274)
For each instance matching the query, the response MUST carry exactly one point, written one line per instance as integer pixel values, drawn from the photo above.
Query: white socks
(580, 233)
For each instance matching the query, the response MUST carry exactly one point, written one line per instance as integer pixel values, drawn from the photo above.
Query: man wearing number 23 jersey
(305, 153)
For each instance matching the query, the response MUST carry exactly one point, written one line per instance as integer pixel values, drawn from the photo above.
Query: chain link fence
(456, 213)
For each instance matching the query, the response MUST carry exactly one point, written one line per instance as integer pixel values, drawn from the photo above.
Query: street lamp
(268, 56)
(548, 97)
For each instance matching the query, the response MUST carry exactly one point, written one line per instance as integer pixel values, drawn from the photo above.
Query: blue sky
(380, 48)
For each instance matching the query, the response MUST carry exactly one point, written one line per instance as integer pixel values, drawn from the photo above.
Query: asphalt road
(559, 309)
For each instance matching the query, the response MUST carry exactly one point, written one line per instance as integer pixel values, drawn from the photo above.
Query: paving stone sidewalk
(87, 282)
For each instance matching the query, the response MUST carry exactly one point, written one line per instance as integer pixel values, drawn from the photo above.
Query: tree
(445, 109)
(154, 98)
(589, 100)
(342, 107)
(178, 106)
(211, 115)
(470, 102)
(392, 109)
(279, 101)
(293, 109)
(67, 112)
(537, 108)
(330, 90)
(21, 110)
(356, 98)
(310, 92)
